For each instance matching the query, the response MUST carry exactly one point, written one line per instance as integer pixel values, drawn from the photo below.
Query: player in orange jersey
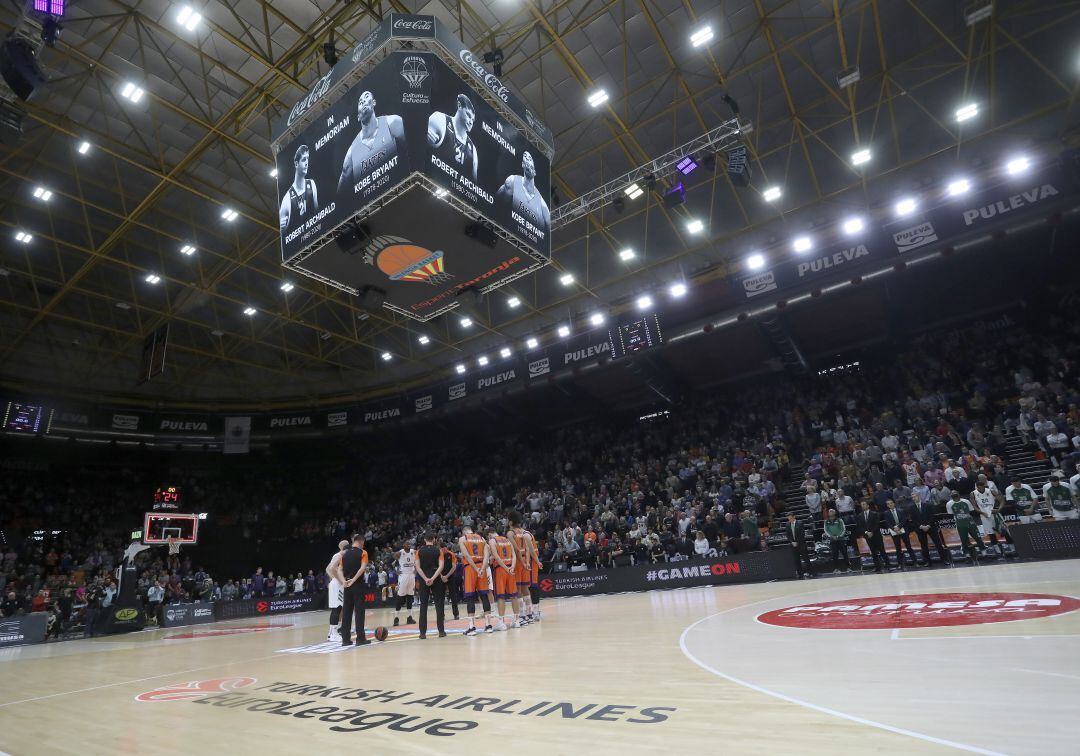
(523, 570)
(475, 552)
(504, 561)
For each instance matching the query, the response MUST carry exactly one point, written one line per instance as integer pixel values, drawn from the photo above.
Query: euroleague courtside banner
(28, 628)
(263, 606)
(755, 566)
(411, 113)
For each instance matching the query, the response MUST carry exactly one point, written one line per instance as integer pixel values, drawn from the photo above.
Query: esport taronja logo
(920, 610)
(194, 689)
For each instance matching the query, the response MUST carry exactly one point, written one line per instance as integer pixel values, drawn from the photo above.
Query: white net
(174, 546)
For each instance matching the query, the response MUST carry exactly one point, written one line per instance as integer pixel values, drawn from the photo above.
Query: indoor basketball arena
(545, 375)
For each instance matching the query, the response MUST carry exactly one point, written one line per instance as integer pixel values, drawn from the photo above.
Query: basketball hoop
(174, 546)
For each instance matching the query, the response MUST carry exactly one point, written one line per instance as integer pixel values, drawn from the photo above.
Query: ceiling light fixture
(132, 92)
(287, 287)
(424, 340)
(563, 331)
(84, 148)
(386, 356)
(633, 191)
(187, 250)
(482, 360)
(626, 254)
(22, 236)
(677, 290)
(152, 278)
(597, 318)
(854, 225)
(958, 187)
(229, 214)
(513, 302)
(802, 244)
(466, 322)
(644, 302)
(966, 112)
(273, 173)
(504, 352)
(188, 18)
(42, 193)
(771, 194)
(860, 156)
(695, 226)
(701, 36)
(249, 311)
(459, 368)
(598, 98)
(1017, 165)
(566, 279)
(531, 343)
(755, 262)
(906, 206)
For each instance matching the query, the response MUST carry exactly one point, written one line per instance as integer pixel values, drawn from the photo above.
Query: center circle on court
(920, 610)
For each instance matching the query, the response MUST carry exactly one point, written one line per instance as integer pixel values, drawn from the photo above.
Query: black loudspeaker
(482, 234)
(18, 66)
(738, 166)
(353, 238)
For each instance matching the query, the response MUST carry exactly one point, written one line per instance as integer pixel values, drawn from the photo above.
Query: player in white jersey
(406, 586)
(336, 593)
(523, 196)
(301, 200)
(986, 502)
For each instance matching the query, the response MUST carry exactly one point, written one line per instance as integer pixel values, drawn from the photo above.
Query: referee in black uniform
(353, 564)
(429, 565)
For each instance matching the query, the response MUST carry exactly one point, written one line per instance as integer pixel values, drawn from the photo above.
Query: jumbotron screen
(635, 336)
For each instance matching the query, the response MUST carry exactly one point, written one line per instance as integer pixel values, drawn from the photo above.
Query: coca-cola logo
(490, 80)
(920, 610)
(415, 25)
(322, 86)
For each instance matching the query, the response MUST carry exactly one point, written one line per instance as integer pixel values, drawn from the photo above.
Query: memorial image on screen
(635, 336)
(411, 113)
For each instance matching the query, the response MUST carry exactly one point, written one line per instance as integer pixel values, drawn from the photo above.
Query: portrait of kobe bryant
(523, 196)
(449, 137)
(380, 139)
(302, 199)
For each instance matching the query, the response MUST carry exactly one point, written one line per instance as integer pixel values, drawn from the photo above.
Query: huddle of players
(498, 569)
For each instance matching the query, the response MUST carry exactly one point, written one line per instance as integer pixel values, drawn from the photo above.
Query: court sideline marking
(807, 704)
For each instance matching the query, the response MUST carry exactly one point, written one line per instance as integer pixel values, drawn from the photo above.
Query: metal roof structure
(76, 302)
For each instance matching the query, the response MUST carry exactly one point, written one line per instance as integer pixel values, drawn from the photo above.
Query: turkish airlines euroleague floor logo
(194, 689)
(920, 610)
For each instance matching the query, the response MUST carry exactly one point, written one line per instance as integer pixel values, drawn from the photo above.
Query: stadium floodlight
(482, 360)
(644, 302)
(187, 250)
(967, 112)
(459, 368)
(980, 11)
(286, 287)
(531, 342)
(958, 187)
(152, 278)
(42, 193)
(802, 244)
(701, 36)
(626, 254)
(22, 236)
(505, 352)
(566, 279)
(771, 194)
(84, 147)
(677, 290)
(249, 311)
(513, 302)
(853, 225)
(440, 192)
(273, 173)
(597, 318)
(386, 356)
(860, 156)
(695, 226)
(563, 331)
(188, 18)
(132, 91)
(466, 322)
(1017, 165)
(906, 206)
(424, 340)
(633, 191)
(598, 98)
(229, 214)
(755, 262)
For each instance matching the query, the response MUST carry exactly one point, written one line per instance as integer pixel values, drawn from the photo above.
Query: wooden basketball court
(699, 670)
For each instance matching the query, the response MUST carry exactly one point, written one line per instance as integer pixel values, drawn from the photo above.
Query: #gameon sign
(920, 610)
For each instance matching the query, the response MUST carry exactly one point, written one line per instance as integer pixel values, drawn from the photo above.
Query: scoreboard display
(635, 336)
(26, 418)
(167, 497)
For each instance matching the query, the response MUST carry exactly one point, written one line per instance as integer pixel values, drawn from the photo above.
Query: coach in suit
(896, 521)
(354, 563)
(796, 533)
(869, 523)
(923, 517)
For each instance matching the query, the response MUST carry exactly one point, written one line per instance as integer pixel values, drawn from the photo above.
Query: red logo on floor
(238, 630)
(195, 689)
(920, 610)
